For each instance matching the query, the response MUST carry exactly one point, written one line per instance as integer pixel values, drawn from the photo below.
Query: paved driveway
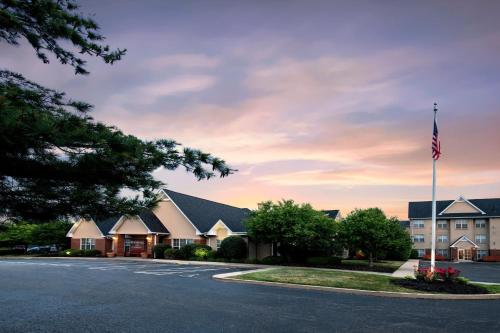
(475, 271)
(56, 295)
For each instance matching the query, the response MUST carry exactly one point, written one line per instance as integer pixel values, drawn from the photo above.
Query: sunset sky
(318, 101)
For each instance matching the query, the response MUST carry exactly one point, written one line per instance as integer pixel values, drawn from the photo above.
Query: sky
(325, 102)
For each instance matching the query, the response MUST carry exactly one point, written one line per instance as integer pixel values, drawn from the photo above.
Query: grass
(492, 288)
(326, 278)
(316, 277)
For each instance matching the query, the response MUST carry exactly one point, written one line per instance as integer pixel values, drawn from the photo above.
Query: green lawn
(351, 280)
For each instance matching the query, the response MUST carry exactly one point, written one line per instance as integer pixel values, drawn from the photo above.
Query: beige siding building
(465, 229)
(179, 219)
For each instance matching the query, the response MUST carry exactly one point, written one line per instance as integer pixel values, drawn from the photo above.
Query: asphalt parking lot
(106, 295)
(475, 271)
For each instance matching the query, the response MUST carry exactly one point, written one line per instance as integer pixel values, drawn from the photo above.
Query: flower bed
(441, 280)
(449, 287)
(491, 258)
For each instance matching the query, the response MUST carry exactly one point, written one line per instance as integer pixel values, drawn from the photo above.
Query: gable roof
(463, 239)
(423, 209)
(152, 222)
(333, 213)
(106, 224)
(205, 213)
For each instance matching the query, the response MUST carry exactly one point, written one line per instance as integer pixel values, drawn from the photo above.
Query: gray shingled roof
(205, 213)
(332, 213)
(423, 209)
(147, 216)
(152, 222)
(105, 225)
(405, 224)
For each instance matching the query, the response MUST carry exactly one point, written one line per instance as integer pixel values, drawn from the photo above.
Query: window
(443, 239)
(418, 238)
(87, 243)
(481, 253)
(481, 239)
(461, 224)
(480, 224)
(219, 241)
(418, 224)
(421, 252)
(180, 242)
(442, 225)
(442, 252)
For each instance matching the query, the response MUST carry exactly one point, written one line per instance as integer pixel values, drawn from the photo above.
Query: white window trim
(483, 240)
(186, 242)
(89, 243)
(445, 223)
(442, 239)
(420, 223)
(462, 222)
(482, 223)
(421, 239)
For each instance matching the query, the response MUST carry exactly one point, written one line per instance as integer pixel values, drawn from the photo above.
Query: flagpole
(433, 241)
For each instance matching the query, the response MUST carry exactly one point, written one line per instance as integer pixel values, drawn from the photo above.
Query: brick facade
(494, 252)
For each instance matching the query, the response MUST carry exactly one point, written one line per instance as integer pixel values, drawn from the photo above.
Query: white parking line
(36, 263)
(108, 267)
(160, 272)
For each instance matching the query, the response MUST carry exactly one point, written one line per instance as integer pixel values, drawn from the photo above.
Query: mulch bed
(440, 286)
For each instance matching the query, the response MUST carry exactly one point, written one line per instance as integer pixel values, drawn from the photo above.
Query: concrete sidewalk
(406, 269)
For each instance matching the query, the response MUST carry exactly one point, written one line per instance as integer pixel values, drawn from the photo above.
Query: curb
(230, 277)
(199, 263)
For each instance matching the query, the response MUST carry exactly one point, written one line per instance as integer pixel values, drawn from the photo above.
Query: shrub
(171, 254)
(80, 253)
(202, 253)
(324, 261)
(159, 250)
(273, 260)
(414, 254)
(71, 253)
(6, 252)
(233, 247)
(91, 253)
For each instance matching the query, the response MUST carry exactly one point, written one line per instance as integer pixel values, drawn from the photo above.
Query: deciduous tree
(299, 230)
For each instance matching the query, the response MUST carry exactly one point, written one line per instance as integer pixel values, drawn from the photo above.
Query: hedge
(80, 253)
(324, 261)
(273, 260)
(159, 250)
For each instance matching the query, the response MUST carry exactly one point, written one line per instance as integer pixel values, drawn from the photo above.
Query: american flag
(436, 145)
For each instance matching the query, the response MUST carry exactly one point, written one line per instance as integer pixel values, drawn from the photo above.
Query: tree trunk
(370, 263)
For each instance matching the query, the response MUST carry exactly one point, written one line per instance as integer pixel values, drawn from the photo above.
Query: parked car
(19, 248)
(42, 249)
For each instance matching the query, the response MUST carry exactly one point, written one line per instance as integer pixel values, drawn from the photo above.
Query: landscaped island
(349, 280)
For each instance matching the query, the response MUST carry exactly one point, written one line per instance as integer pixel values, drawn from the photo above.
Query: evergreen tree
(56, 161)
